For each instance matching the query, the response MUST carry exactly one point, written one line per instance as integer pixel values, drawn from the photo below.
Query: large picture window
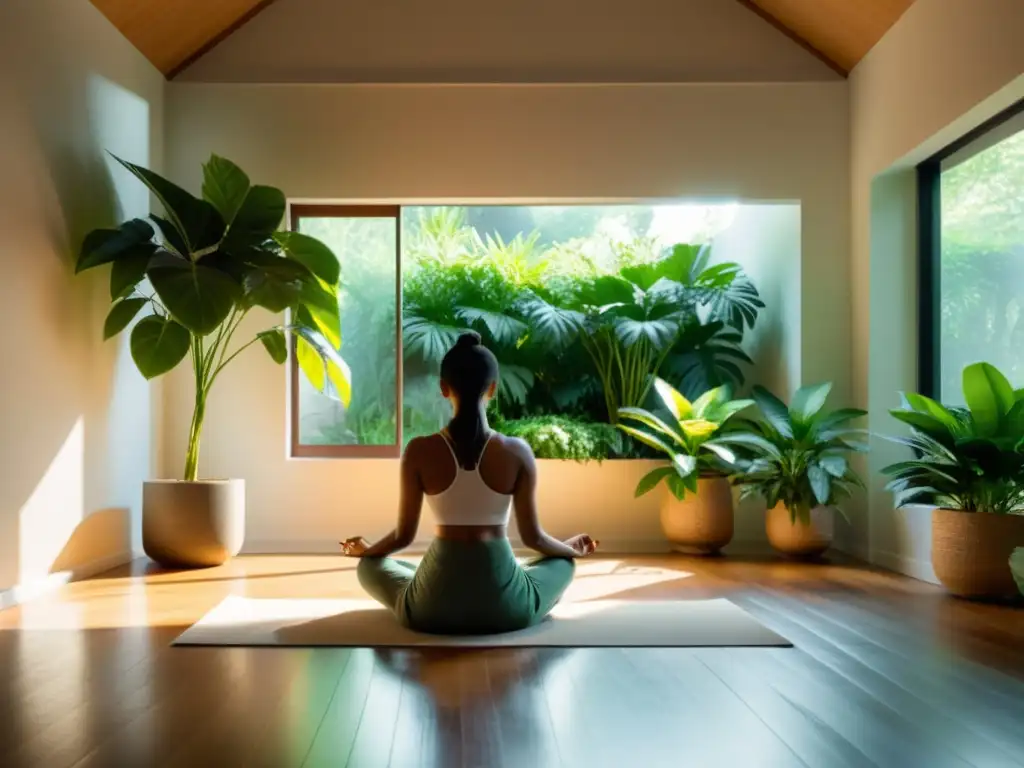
(415, 277)
(972, 248)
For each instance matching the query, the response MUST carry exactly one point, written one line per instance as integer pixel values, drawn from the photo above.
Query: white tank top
(468, 500)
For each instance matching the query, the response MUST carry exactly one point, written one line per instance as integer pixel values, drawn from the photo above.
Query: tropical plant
(630, 322)
(968, 459)
(797, 455)
(692, 447)
(218, 258)
(562, 437)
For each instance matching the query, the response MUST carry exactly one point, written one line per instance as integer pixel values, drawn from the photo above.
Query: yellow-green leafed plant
(217, 258)
(688, 440)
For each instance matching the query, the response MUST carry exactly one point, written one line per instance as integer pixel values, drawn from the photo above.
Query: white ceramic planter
(193, 524)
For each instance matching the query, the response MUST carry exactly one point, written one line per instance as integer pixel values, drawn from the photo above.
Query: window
(972, 256)
(366, 241)
(415, 277)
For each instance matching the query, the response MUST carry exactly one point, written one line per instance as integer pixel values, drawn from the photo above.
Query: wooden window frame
(299, 450)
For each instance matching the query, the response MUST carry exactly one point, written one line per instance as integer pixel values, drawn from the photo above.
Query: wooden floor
(886, 671)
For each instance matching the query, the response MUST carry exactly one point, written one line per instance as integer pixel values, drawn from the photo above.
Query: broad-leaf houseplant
(216, 258)
(968, 464)
(696, 512)
(796, 458)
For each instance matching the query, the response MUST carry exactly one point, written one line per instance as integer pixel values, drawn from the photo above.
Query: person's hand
(582, 544)
(354, 547)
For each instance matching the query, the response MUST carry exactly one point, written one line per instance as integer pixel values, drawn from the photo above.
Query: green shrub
(560, 437)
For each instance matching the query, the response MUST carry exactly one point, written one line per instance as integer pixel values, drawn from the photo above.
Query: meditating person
(469, 581)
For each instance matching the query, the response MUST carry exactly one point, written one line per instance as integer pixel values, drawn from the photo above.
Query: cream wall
(944, 68)
(779, 142)
(77, 420)
(528, 41)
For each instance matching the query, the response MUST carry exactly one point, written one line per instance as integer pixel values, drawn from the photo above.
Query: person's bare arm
(410, 505)
(524, 501)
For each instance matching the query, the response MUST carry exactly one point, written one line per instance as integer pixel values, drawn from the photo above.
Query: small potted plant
(218, 258)
(796, 458)
(968, 465)
(696, 513)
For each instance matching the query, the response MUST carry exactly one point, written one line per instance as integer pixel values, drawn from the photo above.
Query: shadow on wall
(61, 414)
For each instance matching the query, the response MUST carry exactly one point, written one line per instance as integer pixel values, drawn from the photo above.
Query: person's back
(469, 581)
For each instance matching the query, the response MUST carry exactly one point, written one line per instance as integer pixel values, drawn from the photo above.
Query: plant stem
(195, 431)
(194, 436)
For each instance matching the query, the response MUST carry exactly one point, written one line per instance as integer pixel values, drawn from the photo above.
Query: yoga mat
(241, 621)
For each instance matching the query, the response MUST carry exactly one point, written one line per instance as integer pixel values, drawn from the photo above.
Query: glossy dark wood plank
(885, 671)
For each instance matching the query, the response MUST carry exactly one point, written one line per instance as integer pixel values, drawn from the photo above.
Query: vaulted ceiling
(174, 34)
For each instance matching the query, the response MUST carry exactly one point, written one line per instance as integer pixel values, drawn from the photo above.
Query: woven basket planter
(971, 552)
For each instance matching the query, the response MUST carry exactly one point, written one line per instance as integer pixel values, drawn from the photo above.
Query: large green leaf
(257, 219)
(322, 365)
(129, 270)
(644, 276)
(647, 439)
(551, 325)
(198, 222)
(607, 291)
(774, 410)
(274, 342)
(834, 464)
(313, 254)
(821, 483)
(122, 313)
(322, 305)
(1014, 421)
(198, 297)
(751, 441)
(276, 284)
(504, 329)
(658, 332)
(102, 246)
(924, 404)
(158, 344)
(684, 465)
(924, 422)
(650, 481)
(676, 404)
(808, 401)
(225, 186)
(514, 383)
(831, 425)
(738, 304)
(429, 339)
(173, 239)
(989, 396)
(685, 263)
(652, 421)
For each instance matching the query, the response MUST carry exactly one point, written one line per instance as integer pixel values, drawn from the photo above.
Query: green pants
(467, 588)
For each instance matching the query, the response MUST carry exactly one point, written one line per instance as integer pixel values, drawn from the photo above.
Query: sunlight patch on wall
(54, 509)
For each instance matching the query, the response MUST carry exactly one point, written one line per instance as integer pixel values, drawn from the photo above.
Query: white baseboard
(909, 566)
(22, 593)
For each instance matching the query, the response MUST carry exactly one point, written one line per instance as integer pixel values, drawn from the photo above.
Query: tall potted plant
(969, 465)
(796, 459)
(696, 513)
(217, 258)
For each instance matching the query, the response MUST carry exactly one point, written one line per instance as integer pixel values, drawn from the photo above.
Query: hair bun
(468, 339)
